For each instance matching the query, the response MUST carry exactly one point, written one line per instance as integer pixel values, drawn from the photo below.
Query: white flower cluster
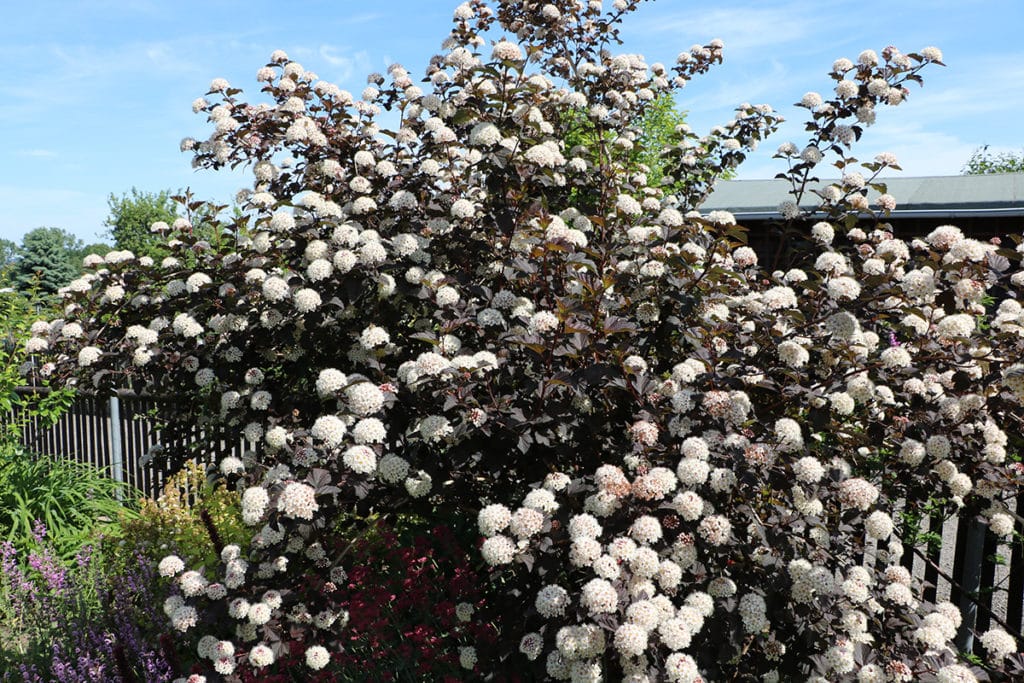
(298, 500)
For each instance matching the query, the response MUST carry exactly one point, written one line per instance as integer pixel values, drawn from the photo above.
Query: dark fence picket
(958, 561)
(989, 587)
(932, 553)
(1015, 587)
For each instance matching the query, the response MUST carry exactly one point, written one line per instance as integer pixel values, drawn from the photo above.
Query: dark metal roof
(998, 194)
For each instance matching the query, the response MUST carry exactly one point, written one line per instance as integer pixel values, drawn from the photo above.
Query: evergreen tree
(46, 260)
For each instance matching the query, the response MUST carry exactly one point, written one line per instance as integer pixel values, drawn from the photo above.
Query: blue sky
(96, 94)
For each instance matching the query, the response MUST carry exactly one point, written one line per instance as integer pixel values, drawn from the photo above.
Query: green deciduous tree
(18, 310)
(660, 126)
(133, 214)
(97, 248)
(984, 162)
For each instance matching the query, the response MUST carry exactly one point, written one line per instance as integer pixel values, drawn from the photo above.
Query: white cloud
(38, 153)
(717, 98)
(345, 63)
(742, 28)
(919, 150)
(364, 18)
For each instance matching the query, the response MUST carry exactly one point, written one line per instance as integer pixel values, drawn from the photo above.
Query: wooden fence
(968, 567)
(972, 569)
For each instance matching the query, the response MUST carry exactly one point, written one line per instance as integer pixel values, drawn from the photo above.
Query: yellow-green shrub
(192, 517)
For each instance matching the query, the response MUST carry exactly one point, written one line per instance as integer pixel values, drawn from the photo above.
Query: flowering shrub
(17, 312)
(678, 461)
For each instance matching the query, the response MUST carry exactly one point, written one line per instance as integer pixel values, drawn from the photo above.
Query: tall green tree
(657, 130)
(46, 260)
(984, 162)
(656, 144)
(133, 214)
(659, 127)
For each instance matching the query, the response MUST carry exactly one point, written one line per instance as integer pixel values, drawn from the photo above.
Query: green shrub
(192, 517)
(74, 500)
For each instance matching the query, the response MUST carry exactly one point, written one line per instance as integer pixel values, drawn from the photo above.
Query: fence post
(116, 450)
(971, 583)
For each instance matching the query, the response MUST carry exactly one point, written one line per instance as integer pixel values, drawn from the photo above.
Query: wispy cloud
(38, 153)
(981, 87)
(364, 18)
(742, 28)
(721, 96)
(64, 75)
(345, 63)
(83, 74)
(921, 151)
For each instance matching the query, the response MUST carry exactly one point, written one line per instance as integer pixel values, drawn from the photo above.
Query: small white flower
(363, 460)
(999, 644)
(88, 355)
(463, 208)
(506, 51)
(330, 429)
(373, 337)
(498, 550)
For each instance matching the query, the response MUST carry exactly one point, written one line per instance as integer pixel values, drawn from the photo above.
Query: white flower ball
(393, 468)
(361, 459)
(170, 566)
(298, 501)
(552, 601)
(330, 429)
(878, 525)
(261, 656)
(493, 519)
(498, 550)
(317, 657)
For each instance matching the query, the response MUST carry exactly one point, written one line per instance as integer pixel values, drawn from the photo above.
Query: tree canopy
(984, 162)
(133, 214)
